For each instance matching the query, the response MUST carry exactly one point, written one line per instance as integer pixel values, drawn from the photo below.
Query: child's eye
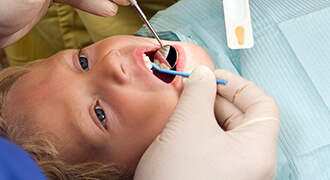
(83, 62)
(100, 114)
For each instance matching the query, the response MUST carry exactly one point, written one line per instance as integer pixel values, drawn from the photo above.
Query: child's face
(62, 99)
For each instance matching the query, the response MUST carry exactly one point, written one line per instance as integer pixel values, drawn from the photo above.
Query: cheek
(140, 118)
(153, 115)
(195, 56)
(149, 112)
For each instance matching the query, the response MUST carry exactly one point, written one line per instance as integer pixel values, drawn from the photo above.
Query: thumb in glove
(104, 8)
(189, 127)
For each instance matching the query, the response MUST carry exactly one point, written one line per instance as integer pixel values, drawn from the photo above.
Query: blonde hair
(41, 149)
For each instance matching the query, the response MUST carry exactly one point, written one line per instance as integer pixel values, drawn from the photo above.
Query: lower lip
(180, 64)
(181, 58)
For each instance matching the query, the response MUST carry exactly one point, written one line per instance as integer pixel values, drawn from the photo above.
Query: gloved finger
(195, 108)
(198, 95)
(245, 95)
(104, 8)
(258, 124)
(249, 99)
(226, 112)
(121, 2)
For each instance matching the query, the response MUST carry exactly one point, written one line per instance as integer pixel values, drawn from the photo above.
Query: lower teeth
(160, 65)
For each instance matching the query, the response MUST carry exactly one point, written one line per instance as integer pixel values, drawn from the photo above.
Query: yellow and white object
(238, 24)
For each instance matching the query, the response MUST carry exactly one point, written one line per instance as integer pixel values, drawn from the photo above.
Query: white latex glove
(18, 17)
(193, 145)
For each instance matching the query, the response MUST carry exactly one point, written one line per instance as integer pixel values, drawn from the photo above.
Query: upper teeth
(156, 61)
(147, 61)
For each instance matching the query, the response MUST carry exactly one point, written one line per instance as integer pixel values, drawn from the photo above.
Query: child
(99, 105)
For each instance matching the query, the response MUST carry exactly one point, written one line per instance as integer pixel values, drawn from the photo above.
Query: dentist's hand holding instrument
(166, 52)
(216, 132)
(19, 17)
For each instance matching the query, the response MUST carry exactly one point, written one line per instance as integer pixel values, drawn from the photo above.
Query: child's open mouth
(149, 57)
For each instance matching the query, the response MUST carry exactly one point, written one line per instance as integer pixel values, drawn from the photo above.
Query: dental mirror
(167, 52)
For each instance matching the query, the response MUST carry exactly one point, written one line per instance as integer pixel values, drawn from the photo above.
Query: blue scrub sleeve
(16, 164)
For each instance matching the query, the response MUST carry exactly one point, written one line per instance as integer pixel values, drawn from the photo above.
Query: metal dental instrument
(167, 71)
(167, 52)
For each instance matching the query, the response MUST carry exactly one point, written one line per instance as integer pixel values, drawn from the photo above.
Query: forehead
(38, 97)
(33, 85)
(35, 92)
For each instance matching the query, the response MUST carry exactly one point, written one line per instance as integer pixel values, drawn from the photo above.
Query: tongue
(164, 77)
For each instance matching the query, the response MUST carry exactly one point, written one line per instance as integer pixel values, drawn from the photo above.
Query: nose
(110, 68)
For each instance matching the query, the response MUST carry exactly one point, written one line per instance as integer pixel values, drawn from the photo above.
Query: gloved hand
(103, 8)
(18, 17)
(194, 146)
